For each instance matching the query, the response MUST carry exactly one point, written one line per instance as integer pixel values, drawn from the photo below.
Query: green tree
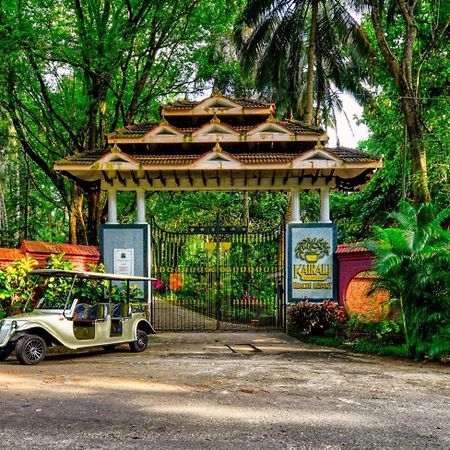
(407, 34)
(302, 50)
(413, 263)
(74, 70)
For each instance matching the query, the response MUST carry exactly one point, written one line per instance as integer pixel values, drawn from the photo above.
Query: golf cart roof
(83, 274)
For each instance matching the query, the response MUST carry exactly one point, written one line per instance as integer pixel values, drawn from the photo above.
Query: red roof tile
(351, 248)
(49, 248)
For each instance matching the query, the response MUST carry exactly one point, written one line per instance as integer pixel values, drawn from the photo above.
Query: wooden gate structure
(219, 144)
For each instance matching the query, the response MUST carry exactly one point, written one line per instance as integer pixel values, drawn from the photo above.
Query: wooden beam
(177, 180)
(329, 178)
(162, 179)
(315, 177)
(135, 178)
(149, 178)
(122, 180)
(108, 180)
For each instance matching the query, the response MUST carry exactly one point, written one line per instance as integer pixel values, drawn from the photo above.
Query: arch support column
(140, 204)
(295, 206)
(112, 206)
(325, 205)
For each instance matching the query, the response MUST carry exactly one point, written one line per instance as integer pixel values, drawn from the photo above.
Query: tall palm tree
(301, 49)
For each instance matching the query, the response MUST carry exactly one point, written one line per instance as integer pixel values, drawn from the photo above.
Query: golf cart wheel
(140, 344)
(30, 349)
(5, 352)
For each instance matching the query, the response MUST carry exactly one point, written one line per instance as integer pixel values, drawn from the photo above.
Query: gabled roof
(336, 155)
(215, 101)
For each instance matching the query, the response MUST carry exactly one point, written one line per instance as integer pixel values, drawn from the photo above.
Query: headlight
(5, 323)
(8, 323)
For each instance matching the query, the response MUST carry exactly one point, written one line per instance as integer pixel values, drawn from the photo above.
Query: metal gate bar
(218, 278)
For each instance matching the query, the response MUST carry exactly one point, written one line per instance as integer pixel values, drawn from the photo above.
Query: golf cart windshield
(56, 289)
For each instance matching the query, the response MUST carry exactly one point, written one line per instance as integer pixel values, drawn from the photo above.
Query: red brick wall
(359, 302)
(80, 255)
(351, 261)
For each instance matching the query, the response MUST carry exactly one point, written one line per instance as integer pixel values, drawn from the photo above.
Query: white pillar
(325, 205)
(112, 206)
(140, 202)
(295, 210)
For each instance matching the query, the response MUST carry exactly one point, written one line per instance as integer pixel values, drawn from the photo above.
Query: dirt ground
(224, 391)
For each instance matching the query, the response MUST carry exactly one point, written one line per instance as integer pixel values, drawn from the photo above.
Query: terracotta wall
(80, 255)
(351, 261)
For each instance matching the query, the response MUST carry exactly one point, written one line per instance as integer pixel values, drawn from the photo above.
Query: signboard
(124, 261)
(125, 250)
(311, 272)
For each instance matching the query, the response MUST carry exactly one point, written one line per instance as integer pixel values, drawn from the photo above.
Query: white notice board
(124, 261)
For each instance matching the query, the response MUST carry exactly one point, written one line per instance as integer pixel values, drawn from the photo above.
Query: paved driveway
(224, 391)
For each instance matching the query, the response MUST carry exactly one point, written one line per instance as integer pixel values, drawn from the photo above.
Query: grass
(360, 346)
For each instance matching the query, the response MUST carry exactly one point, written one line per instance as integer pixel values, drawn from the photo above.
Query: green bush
(316, 319)
(16, 291)
(413, 264)
(383, 332)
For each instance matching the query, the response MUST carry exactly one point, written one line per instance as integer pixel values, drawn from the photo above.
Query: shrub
(16, 292)
(383, 332)
(316, 319)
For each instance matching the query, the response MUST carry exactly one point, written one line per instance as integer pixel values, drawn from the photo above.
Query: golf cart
(77, 310)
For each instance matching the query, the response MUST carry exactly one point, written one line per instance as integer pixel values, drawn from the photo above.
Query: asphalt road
(215, 391)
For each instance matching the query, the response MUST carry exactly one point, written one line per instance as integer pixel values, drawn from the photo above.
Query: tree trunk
(94, 216)
(311, 56)
(77, 225)
(419, 175)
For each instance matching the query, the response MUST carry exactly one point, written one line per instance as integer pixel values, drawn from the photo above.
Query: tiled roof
(83, 159)
(351, 155)
(189, 104)
(346, 155)
(137, 130)
(166, 159)
(299, 128)
(351, 248)
(141, 129)
(67, 249)
(9, 254)
(265, 158)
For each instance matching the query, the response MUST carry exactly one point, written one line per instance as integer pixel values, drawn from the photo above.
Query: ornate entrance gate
(218, 278)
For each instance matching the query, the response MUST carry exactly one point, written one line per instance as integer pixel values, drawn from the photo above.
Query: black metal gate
(218, 278)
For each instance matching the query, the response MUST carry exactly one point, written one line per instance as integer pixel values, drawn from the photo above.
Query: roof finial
(217, 93)
(215, 119)
(292, 116)
(217, 148)
(115, 148)
(271, 119)
(319, 145)
(163, 120)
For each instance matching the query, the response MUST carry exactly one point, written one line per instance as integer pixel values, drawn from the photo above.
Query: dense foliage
(20, 292)
(413, 263)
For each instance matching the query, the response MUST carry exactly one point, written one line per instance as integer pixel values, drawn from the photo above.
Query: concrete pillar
(112, 206)
(140, 202)
(325, 205)
(295, 207)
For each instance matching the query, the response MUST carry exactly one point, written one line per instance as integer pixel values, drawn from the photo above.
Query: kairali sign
(311, 272)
